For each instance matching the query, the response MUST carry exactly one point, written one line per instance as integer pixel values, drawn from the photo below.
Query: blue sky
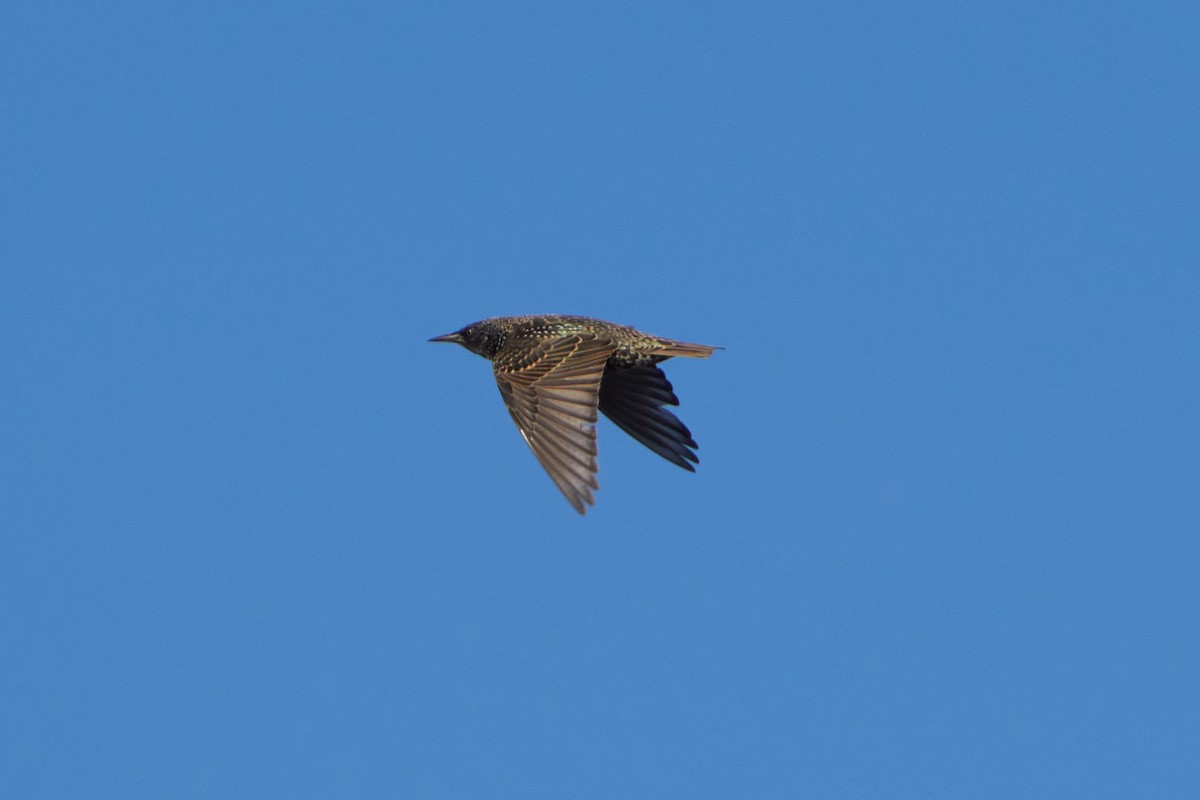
(262, 540)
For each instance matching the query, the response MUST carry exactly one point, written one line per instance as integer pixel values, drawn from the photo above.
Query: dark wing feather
(634, 398)
(552, 393)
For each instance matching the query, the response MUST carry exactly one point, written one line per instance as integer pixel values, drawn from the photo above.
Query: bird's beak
(449, 337)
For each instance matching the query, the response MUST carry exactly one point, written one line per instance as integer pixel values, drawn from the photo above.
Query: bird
(556, 371)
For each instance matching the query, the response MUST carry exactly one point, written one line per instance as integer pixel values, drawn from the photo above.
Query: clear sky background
(261, 540)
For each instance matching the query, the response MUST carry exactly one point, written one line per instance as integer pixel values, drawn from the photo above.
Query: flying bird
(555, 372)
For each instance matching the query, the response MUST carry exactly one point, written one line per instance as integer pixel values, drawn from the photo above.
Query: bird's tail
(670, 347)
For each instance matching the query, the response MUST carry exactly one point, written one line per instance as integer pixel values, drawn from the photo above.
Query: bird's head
(482, 338)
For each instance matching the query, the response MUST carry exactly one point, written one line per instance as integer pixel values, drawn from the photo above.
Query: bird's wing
(634, 398)
(552, 394)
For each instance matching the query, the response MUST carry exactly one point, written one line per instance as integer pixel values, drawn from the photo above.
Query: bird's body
(556, 371)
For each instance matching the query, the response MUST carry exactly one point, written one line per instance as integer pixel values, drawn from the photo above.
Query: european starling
(556, 371)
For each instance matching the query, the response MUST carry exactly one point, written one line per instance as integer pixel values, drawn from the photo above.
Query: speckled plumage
(556, 371)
